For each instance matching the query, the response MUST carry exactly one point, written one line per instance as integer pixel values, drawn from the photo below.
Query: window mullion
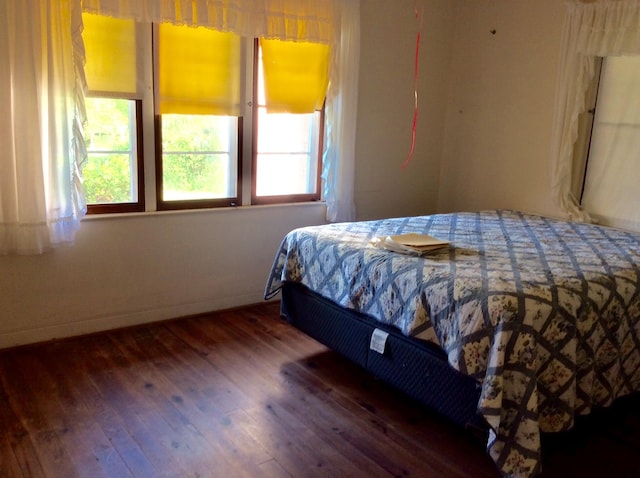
(248, 107)
(146, 73)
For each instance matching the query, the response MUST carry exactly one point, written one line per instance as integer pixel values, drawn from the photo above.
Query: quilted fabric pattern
(544, 313)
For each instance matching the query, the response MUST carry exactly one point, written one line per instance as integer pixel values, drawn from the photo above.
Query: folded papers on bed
(412, 243)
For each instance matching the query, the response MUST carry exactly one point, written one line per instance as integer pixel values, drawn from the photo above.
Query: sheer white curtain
(341, 109)
(41, 96)
(309, 20)
(335, 22)
(591, 30)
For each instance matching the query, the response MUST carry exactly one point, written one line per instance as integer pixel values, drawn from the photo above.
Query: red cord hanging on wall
(419, 17)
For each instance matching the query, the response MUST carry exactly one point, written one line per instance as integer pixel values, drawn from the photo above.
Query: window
(199, 159)
(206, 121)
(113, 173)
(592, 30)
(287, 149)
(610, 191)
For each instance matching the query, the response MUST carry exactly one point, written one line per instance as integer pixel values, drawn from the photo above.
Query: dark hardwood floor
(241, 393)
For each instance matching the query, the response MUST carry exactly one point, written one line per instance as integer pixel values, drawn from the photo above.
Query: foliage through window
(112, 171)
(199, 157)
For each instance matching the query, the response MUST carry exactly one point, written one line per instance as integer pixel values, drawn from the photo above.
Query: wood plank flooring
(242, 394)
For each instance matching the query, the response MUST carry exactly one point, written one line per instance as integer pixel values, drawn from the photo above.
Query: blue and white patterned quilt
(544, 313)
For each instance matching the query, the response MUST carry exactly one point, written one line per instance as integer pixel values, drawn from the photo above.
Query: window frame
(149, 159)
(586, 122)
(175, 205)
(584, 143)
(284, 198)
(139, 205)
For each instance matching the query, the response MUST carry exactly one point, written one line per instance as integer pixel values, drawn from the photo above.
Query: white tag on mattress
(378, 340)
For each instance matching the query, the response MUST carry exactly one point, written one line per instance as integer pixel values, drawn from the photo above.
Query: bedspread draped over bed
(544, 313)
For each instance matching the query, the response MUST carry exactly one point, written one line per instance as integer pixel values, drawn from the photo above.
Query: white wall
(500, 107)
(128, 270)
(386, 106)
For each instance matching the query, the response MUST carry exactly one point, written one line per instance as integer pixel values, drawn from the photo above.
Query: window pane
(199, 154)
(287, 153)
(107, 179)
(284, 132)
(611, 185)
(110, 174)
(282, 174)
(287, 150)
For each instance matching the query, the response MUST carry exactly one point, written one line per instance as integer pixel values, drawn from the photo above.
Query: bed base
(417, 368)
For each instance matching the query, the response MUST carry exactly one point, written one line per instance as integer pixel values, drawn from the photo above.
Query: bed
(522, 324)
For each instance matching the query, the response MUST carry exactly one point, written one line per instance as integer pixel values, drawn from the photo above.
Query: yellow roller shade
(110, 49)
(199, 71)
(295, 75)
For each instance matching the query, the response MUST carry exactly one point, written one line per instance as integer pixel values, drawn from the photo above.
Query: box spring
(415, 367)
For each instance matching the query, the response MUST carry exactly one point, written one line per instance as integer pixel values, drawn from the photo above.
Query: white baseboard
(110, 322)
